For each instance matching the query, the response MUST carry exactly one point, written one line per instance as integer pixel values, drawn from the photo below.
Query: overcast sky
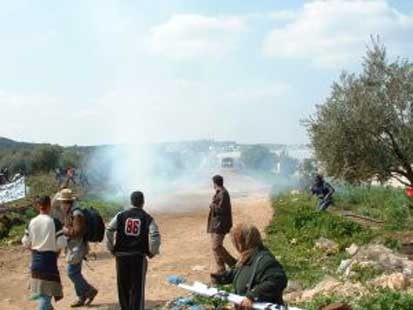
(91, 72)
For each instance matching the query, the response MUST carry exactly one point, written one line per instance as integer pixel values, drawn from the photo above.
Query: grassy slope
(296, 226)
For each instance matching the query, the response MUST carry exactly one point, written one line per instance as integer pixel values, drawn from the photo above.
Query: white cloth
(43, 235)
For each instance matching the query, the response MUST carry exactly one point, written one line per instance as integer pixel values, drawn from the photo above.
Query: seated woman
(258, 275)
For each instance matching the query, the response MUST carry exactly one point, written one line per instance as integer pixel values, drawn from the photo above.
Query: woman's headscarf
(247, 240)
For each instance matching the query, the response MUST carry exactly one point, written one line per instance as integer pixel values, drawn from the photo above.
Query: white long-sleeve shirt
(44, 234)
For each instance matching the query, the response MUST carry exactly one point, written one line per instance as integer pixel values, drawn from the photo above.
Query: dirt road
(185, 251)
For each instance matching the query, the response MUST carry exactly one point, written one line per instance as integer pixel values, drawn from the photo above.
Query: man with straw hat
(77, 248)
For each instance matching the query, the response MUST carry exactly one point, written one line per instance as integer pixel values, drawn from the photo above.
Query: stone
(326, 245)
(199, 268)
(344, 265)
(352, 249)
(293, 296)
(293, 286)
(328, 286)
(331, 286)
(395, 281)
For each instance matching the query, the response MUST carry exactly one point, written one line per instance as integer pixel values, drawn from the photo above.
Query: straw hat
(66, 195)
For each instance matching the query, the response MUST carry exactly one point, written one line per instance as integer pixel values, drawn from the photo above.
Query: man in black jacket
(220, 224)
(137, 237)
(324, 191)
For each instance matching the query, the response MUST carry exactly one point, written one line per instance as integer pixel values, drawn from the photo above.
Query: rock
(383, 259)
(199, 268)
(352, 249)
(328, 286)
(395, 281)
(326, 245)
(293, 286)
(293, 297)
(344, 265)
(337, 306)
(331, 286)
(295, 192)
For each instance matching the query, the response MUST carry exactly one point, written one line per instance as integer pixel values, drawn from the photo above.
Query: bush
(381, 299)
(382, 203)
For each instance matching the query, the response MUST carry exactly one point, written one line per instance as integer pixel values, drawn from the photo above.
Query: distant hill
(7, 144)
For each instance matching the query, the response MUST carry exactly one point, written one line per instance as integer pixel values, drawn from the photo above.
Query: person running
(137, 237)
(77, 249)
(324, 191)
(219, 224)
(258, 275)
(71, 176)
(44, 237)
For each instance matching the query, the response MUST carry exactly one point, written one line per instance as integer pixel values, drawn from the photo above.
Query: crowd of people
(4, 176)
(71, 176)
(132, 237)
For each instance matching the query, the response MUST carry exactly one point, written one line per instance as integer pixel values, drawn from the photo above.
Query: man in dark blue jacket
(324, 191)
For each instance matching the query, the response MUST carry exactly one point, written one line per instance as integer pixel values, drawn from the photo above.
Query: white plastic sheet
(13, 191)
(203, 290)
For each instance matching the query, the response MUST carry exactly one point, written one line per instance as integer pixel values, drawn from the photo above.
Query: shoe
(215, 277)
(90, 296)
(78, 303)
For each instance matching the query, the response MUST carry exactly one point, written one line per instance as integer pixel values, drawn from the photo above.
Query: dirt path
(185, 251)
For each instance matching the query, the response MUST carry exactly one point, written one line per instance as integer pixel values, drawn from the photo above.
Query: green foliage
(45, 158)
(386, 300)
(295, 228)
(216, 302)
(382, 203)
(364, 273)
(381, 299)
(40, 158)
(364, 130)
(69, 158)
(106, 209)
(258, 157)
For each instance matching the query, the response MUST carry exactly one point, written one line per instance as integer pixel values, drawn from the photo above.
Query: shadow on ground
(149, 305)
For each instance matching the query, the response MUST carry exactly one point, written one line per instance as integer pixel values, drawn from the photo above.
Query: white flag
(13, 191)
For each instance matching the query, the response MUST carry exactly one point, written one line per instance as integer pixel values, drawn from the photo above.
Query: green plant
(294, 229)
(364, 273)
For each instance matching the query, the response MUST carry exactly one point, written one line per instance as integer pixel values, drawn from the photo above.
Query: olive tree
(364, 129)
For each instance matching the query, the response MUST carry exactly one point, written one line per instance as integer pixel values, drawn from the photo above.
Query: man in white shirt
(44, 237)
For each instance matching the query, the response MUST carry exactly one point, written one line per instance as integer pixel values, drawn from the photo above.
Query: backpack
(95, 226)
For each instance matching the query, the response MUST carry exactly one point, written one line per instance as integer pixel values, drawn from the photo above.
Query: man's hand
(246, 304)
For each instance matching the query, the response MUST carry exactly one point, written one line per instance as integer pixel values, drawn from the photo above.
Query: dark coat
(268, 283)
(220, 213)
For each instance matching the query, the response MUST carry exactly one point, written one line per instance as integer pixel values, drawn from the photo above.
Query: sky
(99, 71)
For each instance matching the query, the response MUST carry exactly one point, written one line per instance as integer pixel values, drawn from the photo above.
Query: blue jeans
(75, 275)
(45, 302)
(323, 204)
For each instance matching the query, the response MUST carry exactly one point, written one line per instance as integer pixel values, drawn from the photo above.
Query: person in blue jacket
(324, 191)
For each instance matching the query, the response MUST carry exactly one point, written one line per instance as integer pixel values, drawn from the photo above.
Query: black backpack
(95, 226)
